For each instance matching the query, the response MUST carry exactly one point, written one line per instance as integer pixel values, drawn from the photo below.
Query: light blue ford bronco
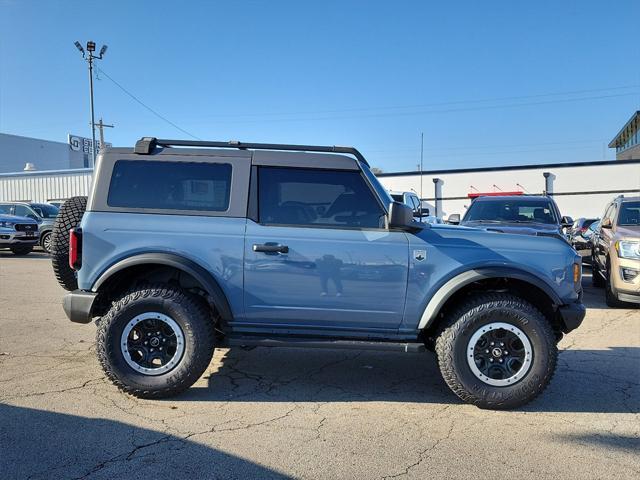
(184, 246)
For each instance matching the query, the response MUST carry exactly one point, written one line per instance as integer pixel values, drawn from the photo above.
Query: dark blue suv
(526, 215)
(181, 250)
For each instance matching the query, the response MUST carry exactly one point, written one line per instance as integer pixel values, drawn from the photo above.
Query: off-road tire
(596, 276)
(22, 250)
(187, 310)
(69, 217)
(464, 321)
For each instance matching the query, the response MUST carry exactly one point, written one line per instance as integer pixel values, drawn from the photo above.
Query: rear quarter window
(170, 185)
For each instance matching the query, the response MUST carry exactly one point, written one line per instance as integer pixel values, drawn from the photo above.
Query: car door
(318, 254)
(24, 211)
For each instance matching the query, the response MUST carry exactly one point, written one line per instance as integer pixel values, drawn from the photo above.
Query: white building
(579, 189)
(49, 186)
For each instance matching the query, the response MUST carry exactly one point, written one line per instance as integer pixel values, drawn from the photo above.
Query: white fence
(45, 186)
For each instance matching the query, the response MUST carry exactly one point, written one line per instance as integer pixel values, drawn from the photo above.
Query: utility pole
(101, 127)
(90, 57)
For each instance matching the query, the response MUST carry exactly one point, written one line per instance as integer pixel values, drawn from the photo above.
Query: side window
(23, 211)
(607, 212)
(170, 185)
(307, 197)
(6, 209)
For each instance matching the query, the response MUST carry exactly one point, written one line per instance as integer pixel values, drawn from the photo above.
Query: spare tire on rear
(69, 217)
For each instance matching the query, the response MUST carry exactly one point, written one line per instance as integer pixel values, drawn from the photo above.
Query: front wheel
(155, 341)
(497, 351)
(45, 241)
(610, 298)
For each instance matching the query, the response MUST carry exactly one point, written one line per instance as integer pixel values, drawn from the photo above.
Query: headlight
(628, 249)
(7, 224)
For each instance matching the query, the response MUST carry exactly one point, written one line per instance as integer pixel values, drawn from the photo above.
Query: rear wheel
(155, 341)
(497, 351)
(69, 217)
(22, 250)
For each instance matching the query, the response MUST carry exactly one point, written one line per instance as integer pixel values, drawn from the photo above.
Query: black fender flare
(180, 263)
(460, 280)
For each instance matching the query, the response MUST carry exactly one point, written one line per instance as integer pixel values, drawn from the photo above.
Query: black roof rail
(145, 146)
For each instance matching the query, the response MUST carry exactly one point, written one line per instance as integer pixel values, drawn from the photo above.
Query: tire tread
(457, 319)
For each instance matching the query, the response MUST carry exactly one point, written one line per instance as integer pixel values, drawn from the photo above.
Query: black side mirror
(567, 222)
(606, 223)
(400, 216)
(454, 219)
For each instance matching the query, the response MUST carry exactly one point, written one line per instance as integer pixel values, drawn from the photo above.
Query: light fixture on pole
(90, 57)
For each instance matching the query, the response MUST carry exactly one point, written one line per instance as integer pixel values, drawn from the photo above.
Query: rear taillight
(75, 248)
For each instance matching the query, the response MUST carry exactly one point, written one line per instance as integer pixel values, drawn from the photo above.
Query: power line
(439, 104)
(146, 106)
(418, 112)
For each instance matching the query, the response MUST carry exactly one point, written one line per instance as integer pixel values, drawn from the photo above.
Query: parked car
(419, 212)
(18, 234)
(615, 255)
(526, 215)
(580, 234)
(43, 213)
(412, 200)
(345, 266)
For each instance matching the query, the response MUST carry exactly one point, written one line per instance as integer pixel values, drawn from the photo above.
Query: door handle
(270, 248)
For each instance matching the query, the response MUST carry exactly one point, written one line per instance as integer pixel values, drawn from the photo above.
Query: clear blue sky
(496, 82)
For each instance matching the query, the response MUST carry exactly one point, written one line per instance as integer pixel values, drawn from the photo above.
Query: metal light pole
(421, 157)
(90, 57)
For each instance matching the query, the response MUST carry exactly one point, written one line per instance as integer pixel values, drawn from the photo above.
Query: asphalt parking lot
(290, 413)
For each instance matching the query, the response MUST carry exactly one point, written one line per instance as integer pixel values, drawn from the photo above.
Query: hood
(517, 228)
(15, 219)
(630, 231)
(493, 243)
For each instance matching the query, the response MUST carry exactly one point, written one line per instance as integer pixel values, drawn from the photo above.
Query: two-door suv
(181, 250)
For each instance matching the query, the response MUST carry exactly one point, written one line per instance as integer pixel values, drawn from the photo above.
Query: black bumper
(571, 315)
(78, 305)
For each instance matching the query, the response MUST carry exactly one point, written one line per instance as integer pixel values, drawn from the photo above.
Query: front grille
(26, 227)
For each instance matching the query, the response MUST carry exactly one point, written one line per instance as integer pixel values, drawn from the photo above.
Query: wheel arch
(493, 277)
(144, 261)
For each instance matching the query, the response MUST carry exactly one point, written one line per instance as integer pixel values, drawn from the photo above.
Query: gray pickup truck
(219, 244)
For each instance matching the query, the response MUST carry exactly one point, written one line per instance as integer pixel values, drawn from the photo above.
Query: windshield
(45, 210)
(629, 214)
(382, 193)
(512, 211)
(397, 198)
